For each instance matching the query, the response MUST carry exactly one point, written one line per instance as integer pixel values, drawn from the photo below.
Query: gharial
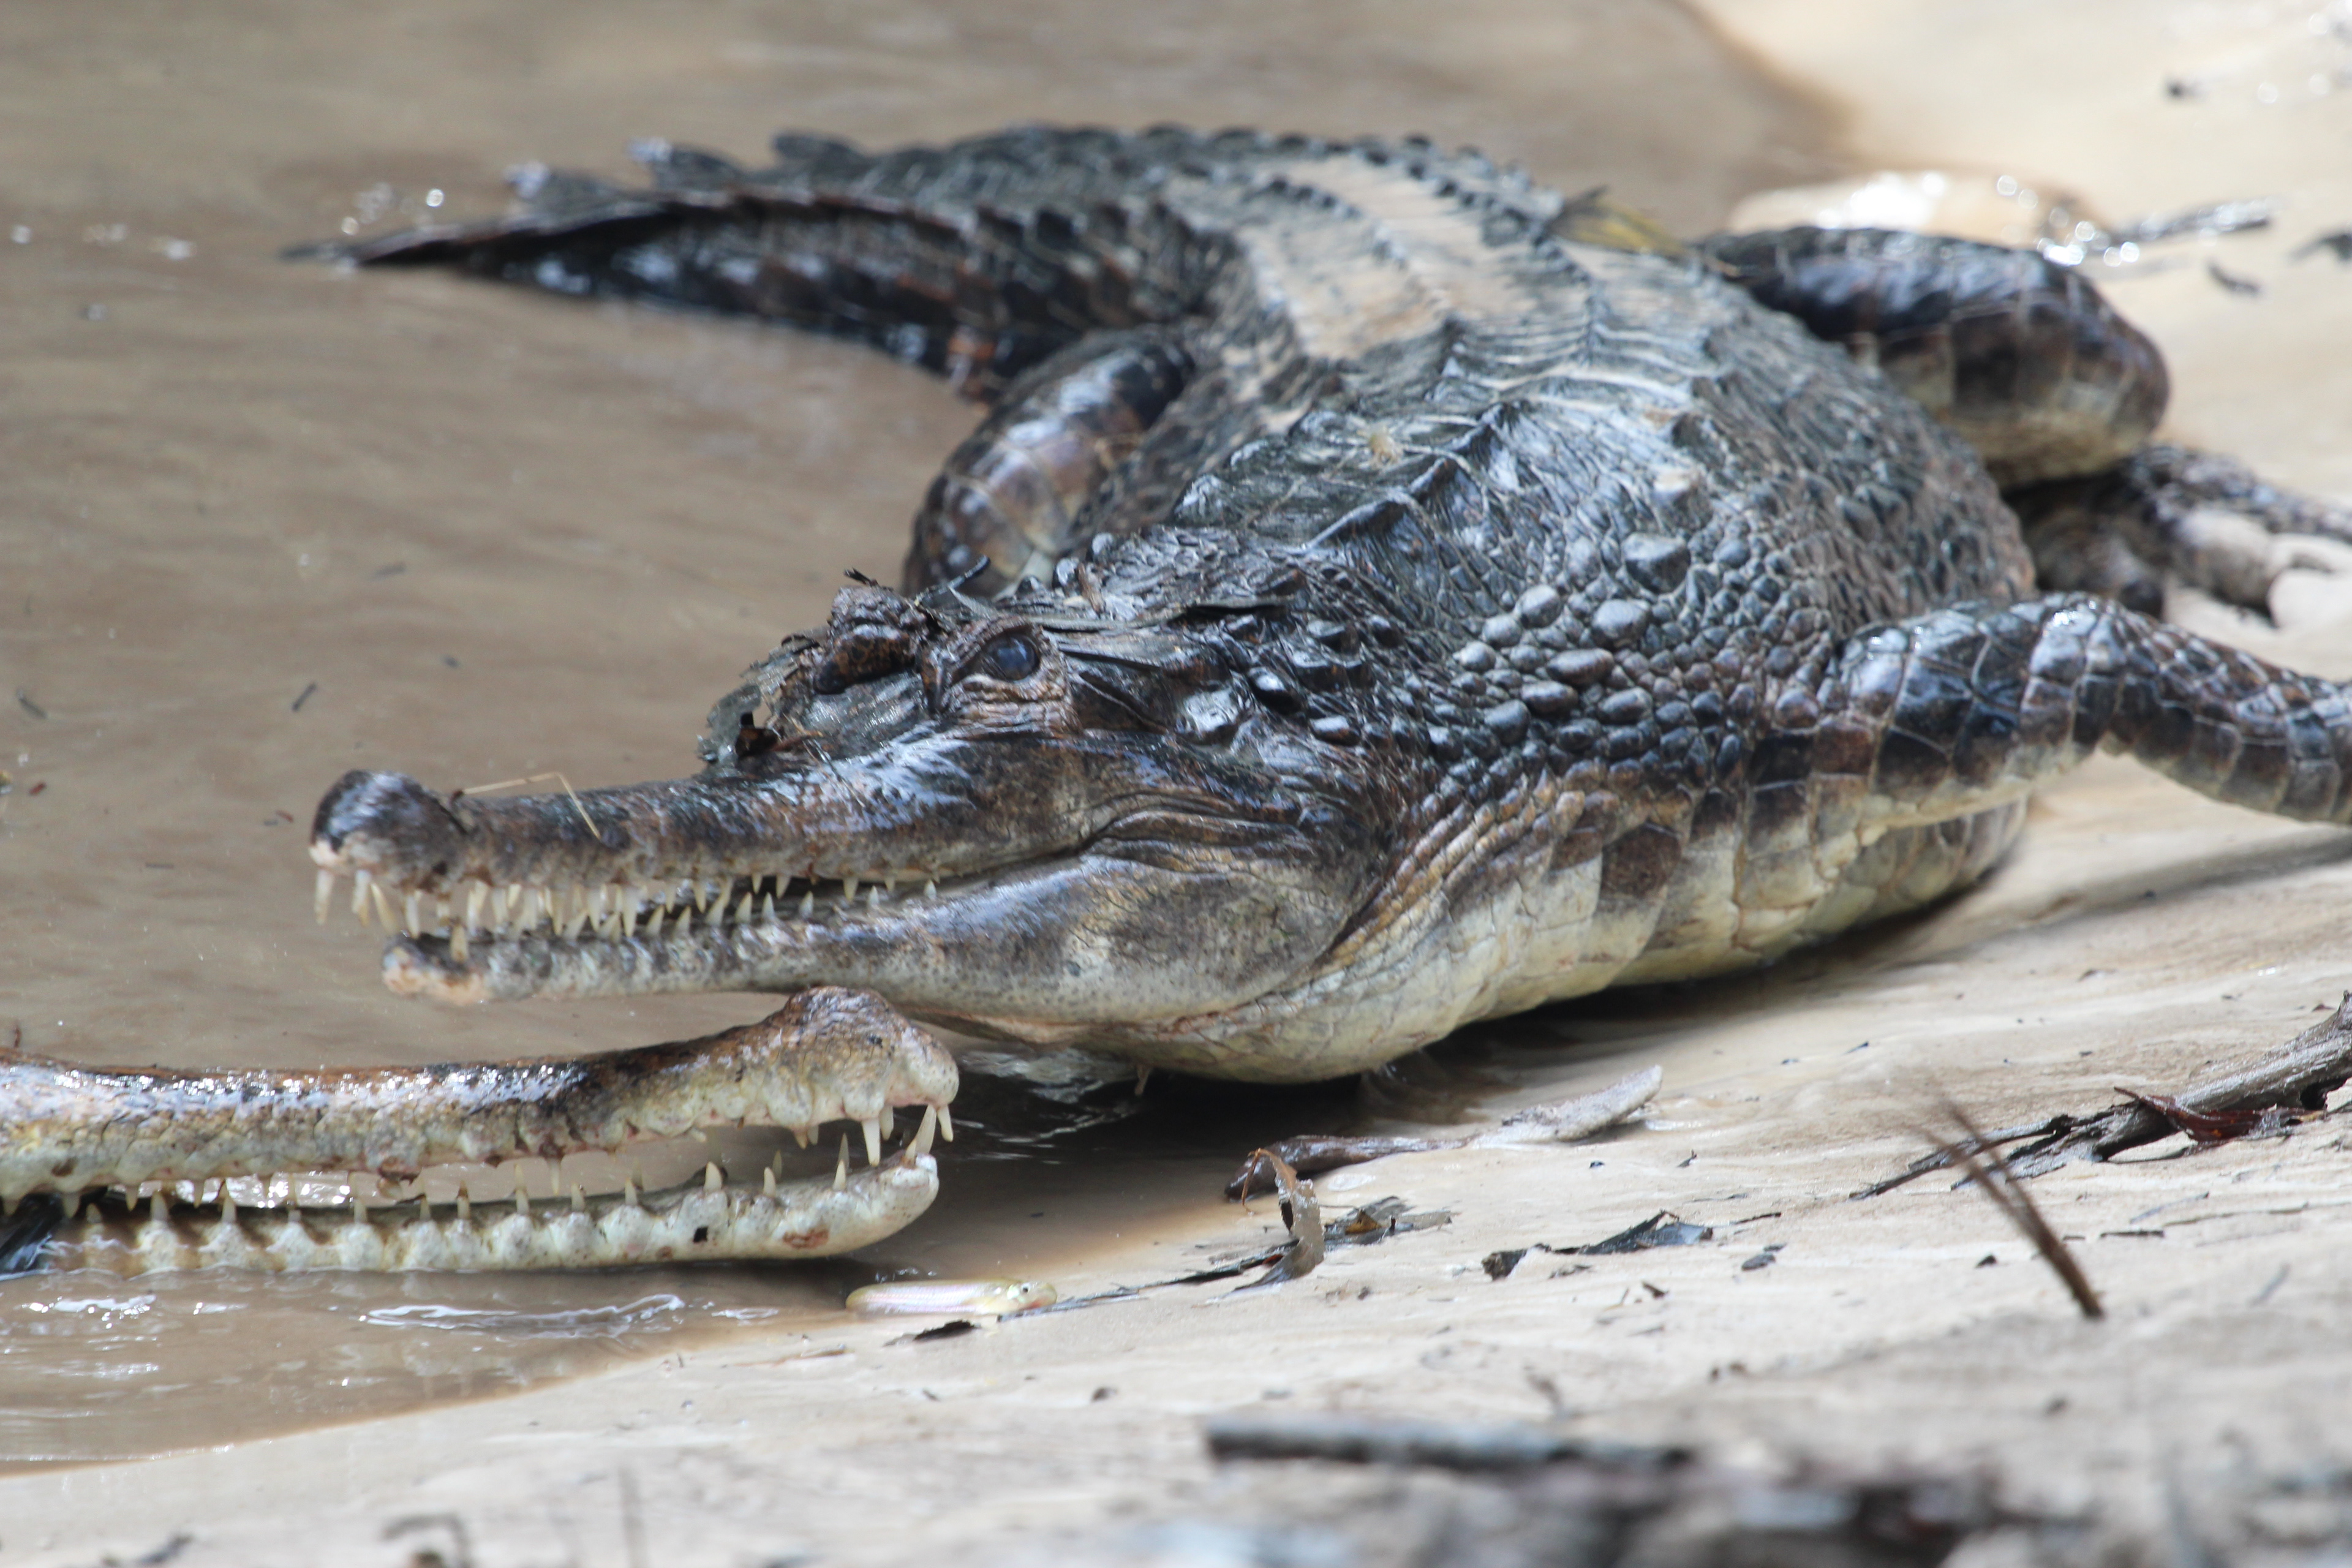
(1383, 593)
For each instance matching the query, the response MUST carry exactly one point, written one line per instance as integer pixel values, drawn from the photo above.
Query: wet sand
(266, 522)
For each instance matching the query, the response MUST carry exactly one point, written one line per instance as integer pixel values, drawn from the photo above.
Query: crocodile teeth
(920, 1143)
(767, 1182)
(947, 1122)
(712, 1177)
(383, 907)
(873, 1140)
(848, 891)
(477, 898)
(745, 910)
(325, 894)
(841, 1168)
(808, 903)
(361, 882)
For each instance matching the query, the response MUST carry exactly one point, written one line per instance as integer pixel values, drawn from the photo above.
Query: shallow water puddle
(92, 1368)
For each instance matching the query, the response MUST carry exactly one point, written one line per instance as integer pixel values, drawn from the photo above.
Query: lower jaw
(813, 1219)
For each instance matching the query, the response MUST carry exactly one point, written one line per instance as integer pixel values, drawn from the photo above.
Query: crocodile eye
(1010, 657)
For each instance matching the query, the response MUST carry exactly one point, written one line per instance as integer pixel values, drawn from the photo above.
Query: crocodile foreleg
(1963, 710)
(828, 1054)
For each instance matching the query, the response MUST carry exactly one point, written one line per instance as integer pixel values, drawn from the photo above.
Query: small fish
(951, 1298)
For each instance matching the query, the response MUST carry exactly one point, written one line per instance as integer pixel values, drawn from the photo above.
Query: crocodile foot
(828, 1054)
(2170, 515)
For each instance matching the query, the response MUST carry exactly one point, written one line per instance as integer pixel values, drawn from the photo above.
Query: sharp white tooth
(325, 894)
(803, 1136)
(768, 908)
(361, 882)
(841, 1166)
(73, 1203)
(423, 1207)
(767, 1182)
(542, 907)
(579, 1199)
(654, 921)
(712, 1177)
(874, 895)
(849, 889)
(227, 1205)
(625, 921)
(930, 888)
(457, 948)
(382, 909)
(698, 1134)
(359, 1207)
(890, 883)
(743, 908)
(946, 1124)
(579, 919)
(465, 1205)
(808, 903)
(522, 1198)
(776, 1162)
(157, 1209)
(629, 1189)
(411, 914)
(873, 1140)
(477, 898)
(921, 1142)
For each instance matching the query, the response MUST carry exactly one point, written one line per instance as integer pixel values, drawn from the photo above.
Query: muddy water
(262, 523)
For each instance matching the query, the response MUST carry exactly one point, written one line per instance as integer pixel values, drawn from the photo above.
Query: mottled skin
(1385, 595)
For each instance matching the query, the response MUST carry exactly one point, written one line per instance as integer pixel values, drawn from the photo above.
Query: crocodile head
(1018, 820)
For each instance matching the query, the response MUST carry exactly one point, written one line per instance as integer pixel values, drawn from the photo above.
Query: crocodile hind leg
(828, 1054)
(1955, 716)
(2059, 394)
(2167, 514)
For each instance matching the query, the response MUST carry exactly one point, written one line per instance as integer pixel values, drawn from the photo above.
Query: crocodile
(1383, 594)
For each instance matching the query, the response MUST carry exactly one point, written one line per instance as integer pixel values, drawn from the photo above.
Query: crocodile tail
(976, 260)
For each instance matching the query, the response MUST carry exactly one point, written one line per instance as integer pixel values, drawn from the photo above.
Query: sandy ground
(265, 523)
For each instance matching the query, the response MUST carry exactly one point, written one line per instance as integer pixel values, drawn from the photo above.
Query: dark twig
(2298, 1076)
(1941, 1158)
